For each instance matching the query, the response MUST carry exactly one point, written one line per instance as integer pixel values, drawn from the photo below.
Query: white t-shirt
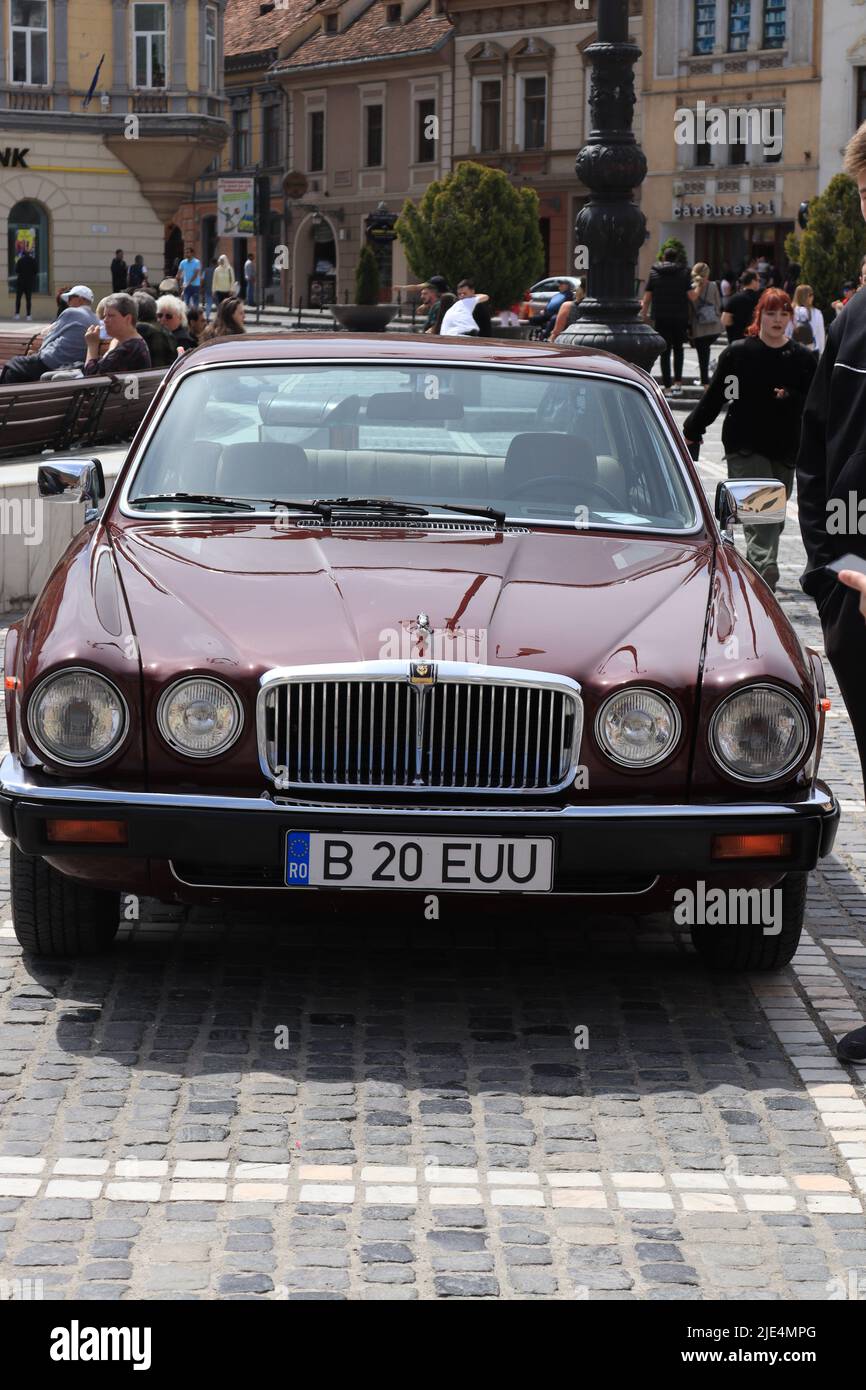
(458, 319)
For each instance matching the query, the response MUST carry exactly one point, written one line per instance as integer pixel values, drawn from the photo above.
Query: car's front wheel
(747, 946)
(55, 916)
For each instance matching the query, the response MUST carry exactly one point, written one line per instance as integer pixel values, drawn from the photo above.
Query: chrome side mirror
(72, 482)
(750, 502)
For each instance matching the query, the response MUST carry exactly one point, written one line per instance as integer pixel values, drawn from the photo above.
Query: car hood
(240, 598)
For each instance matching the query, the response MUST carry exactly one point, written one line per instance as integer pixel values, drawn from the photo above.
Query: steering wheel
(595, 489)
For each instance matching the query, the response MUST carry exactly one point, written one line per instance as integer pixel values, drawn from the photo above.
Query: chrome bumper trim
(17, 781)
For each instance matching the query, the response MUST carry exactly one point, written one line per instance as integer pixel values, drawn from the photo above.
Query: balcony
(150, 103)
(23, 100)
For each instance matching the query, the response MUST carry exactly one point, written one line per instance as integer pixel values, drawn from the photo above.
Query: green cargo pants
(762, 542)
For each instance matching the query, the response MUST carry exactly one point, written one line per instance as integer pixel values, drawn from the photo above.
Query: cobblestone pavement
(430, 1130)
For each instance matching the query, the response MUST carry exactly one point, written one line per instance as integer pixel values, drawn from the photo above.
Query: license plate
(461, 863)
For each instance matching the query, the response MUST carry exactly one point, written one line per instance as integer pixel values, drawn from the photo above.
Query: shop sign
(11, 157)
(726, 209)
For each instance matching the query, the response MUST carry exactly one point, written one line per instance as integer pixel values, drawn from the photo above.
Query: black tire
(746, 947)
(55, 916)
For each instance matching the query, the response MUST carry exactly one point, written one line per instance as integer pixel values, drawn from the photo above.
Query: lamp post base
(621, 333)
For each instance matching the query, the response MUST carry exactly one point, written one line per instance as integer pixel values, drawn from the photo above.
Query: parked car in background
(409, 616)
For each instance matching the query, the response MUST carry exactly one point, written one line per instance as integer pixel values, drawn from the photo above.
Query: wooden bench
(15, 342)
(68, 414)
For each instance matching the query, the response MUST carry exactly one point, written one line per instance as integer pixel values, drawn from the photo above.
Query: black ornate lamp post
(611, 226)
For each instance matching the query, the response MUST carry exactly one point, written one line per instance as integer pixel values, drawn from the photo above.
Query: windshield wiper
(234, 503)
(395, 508)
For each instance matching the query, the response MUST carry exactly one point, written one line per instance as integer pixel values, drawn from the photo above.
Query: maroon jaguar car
(411, 616)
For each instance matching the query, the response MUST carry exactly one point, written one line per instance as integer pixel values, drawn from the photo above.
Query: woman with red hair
(763, 379)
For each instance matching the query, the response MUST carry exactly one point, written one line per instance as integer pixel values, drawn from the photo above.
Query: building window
(703, 155)
(392, 13)
(316, 147)
(27, 230)
(29, 27)
(373, 131)
(534, 113)
(149, 45)
(210, 48)
(491, 114)
(705, 26)
(425, 144)
(739, 20)
(271, 134)
(738, 153)
(331, 23)
(861, 97)
(774, 23)
(241, 150)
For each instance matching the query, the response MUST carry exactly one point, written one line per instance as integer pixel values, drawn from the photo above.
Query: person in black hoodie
(765, 379)
(667, 291)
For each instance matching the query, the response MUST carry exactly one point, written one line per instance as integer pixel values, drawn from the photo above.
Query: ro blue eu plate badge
(298, 858)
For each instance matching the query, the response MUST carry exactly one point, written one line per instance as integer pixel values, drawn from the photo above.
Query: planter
(364, 318)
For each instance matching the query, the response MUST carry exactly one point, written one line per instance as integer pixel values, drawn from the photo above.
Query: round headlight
(199, 717)
(77, 717)
(759, 733)
(638, 728)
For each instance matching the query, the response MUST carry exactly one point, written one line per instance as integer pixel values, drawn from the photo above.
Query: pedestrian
(189, 276)
(137, 278)
(726, 284)
(196, 322)
(770, 376)
(831, 478)
(127, 350)
(171, 313)
(161, 344)
(63, 343)
(433, 301)
(739, 310)
(207, 286)
(706, 323)
(547, 318)
(119, 273)
(792, 279)
(566, 314)
(667, 295)
(222, 280)
(808, 324)
(459, 320)
(849, 289)
(26, 273)
(250, 280)
(227, 322)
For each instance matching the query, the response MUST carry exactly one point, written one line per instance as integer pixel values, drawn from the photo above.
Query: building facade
(108, 110)
(732, 93)
(521, 90)
(843, 90)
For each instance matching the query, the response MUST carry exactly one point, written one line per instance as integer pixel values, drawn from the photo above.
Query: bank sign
(686, 210)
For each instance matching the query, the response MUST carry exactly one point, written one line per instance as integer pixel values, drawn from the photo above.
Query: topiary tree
(833, 244)
(367, 279)
(673, 243)
(475, 222)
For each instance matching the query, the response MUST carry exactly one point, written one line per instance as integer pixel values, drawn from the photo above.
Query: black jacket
(758, 421)
(669, 285)
(26, 271)
(832, 460)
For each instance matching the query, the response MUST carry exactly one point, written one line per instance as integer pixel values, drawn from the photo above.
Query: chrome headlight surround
(627, 692)
(172, 691)
(31, 727)
(805, 740)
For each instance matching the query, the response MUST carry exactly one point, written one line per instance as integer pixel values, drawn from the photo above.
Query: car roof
(393, 348)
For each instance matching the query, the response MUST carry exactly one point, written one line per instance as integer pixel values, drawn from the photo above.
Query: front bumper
(242, 838)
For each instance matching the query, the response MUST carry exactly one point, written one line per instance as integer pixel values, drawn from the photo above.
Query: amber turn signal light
(825, 704)
(87, 832)
(11, 682)
(751, 846)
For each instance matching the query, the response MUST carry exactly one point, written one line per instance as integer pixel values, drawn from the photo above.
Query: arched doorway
(173, 250)
(315, 262)
(27, 229)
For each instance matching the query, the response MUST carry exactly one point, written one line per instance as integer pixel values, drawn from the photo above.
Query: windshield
(537, 446)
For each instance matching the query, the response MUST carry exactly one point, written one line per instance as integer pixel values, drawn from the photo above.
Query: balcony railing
(149, 103)
(27, 101)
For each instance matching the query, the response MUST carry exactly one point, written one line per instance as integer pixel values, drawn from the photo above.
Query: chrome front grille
(478, 729)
